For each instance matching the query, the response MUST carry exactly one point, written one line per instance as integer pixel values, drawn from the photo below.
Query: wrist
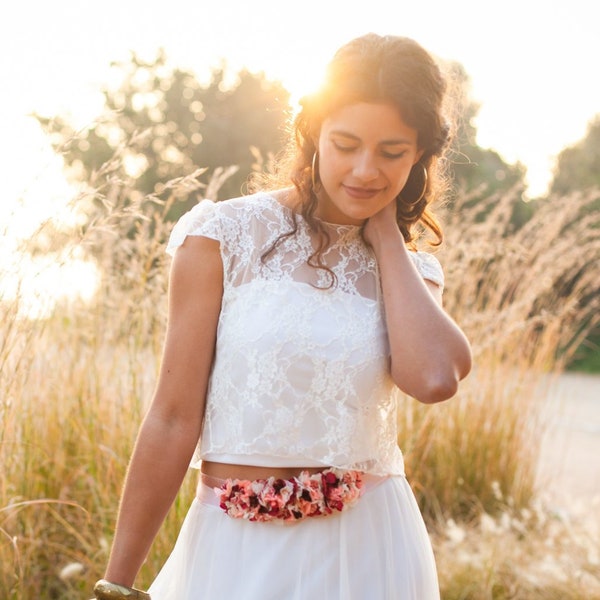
(384, 235)
(106, 590)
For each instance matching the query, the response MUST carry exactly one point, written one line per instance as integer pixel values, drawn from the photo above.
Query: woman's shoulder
(227, 219)
(428, 266)
(251, 214)
(241, 207)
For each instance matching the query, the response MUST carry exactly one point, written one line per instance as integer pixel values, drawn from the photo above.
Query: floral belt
(307, 495)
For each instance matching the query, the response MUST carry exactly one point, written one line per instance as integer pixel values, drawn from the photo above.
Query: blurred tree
(167, 125)
(577, 170)
(472, 166)
(476, 172)
(578, 166)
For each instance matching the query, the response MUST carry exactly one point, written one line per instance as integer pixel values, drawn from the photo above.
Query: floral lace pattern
(301, 371)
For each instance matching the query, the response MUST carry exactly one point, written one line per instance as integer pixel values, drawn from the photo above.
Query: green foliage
(587, 357)
(577, 170)
(170, 125)
(473, 167)
(578, 166)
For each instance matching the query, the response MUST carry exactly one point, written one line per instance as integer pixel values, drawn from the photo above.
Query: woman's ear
(315, 139)
(418, 156)
(315, 134)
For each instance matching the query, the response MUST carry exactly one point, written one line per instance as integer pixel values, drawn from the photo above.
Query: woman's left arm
(429, 352)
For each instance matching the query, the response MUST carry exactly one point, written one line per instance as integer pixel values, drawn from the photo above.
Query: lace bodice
(301, 370)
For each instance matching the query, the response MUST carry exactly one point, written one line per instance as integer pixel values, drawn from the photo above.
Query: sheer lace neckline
(339, 228)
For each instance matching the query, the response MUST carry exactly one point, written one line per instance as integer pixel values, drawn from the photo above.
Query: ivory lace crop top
(301, 371)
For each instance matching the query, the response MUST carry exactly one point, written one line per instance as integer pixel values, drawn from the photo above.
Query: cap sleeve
(429, 267)
(202, 219)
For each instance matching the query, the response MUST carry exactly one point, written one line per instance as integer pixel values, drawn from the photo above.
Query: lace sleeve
(202, 219)
(429, 267)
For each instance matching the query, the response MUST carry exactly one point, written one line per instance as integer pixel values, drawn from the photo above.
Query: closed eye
(344, 147)
(351, 148)
(393, 155)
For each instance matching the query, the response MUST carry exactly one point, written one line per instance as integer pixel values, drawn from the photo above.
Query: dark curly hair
(380, 69)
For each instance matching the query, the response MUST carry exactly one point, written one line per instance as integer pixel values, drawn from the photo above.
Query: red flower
(290, 499)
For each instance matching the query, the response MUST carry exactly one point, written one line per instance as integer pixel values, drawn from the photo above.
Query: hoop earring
(425, 178)
(314, 173)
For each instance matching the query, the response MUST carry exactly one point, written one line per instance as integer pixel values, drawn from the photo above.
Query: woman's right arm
(171, 428)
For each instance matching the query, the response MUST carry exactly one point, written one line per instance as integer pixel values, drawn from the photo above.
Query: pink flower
(290, 499)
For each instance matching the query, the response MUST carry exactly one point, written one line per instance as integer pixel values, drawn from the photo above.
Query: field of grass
(74, 386)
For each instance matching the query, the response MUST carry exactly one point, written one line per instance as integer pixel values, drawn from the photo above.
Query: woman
(295, 315)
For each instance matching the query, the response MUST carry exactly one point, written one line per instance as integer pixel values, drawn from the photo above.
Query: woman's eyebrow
(390, 142)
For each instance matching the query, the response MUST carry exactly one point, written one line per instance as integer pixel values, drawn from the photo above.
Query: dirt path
(570, 463)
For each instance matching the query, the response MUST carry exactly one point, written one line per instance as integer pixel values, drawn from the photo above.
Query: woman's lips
(360, 192)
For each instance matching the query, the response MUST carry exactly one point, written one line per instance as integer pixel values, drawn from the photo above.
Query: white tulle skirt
(376, 550)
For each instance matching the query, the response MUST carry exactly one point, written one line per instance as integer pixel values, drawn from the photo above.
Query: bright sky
(533, 66)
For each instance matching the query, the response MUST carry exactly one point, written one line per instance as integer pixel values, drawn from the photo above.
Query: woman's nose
(365, 167)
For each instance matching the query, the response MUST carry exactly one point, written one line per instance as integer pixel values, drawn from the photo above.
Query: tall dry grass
(74, 386)
(73, 389)
(526, 297)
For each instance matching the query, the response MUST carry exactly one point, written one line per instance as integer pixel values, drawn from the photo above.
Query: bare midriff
(231, 471)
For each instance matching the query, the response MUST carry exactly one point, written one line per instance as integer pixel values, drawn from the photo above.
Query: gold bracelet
(105, 590)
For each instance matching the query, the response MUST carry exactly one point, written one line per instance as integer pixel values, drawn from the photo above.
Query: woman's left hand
(381, 225)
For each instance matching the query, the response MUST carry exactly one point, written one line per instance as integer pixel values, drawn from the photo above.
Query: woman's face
(366, 152)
